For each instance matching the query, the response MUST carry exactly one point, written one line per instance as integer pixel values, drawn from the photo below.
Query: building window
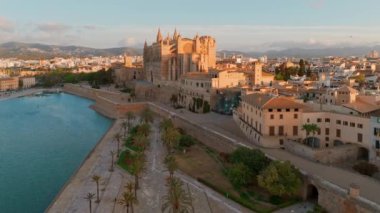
(270, 110)
(327, 138)
(319, 120)
(279, 110)
(376, 131)
(327, 120)
(272, 116)
(327, 131)
(338, 133)
(271, 131)
(345, 123)
(281, 116)
(338, 121)
(281, 130)
(295, 116)
(295, 130)
(308, 120)
(288, 110)
(360, 137)
(319, 131)
(296, 110)
(377, 145)
(360, 126)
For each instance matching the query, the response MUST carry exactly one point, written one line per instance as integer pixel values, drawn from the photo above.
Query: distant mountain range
(40, 51)
(308, 53)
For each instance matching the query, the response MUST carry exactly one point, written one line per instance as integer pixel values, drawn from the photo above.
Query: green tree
(166, 124)
(254, 159)
(127, 200)
(117, 138)
(302, 68)
(144, 129)
(280, 178)
(361, 79)
(171, 138)
(89, 197)
(112, 153)
(137, 167)
(96, 179)
(239, 175)
(177, 200)
(124, 125)
(171, 164)
(146, 116)
(141, 141)
(313, 129)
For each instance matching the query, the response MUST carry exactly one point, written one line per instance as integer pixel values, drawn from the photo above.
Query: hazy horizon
(242, 25)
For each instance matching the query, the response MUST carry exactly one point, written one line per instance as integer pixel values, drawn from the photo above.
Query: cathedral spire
(175, 36)
(159, 35)
(145, 44)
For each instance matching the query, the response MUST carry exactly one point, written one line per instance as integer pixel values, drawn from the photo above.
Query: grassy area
(207, 167)
(125, 160)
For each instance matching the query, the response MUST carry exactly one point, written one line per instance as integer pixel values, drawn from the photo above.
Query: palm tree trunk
(136, 181)
(90, 206)
(127, 208)
(97, 192)
(112, 162)
(118, 148)
(132, 211)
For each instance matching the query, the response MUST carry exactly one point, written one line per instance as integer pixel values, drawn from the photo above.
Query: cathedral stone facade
(169, 58)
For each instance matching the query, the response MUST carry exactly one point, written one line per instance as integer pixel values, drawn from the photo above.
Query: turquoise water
(43, 140)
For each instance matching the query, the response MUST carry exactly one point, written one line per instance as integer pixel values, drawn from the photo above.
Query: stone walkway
(152, 183)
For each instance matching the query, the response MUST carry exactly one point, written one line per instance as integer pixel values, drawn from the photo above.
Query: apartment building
(9, 83)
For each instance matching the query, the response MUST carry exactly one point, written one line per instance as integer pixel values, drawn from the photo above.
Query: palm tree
(144, 129)
(165, 124)
(171, 138)
(112, 155)
(127, 200)
(89, 197)
(130, 117)
(137, 167)
(124, 125)
(146, 116)
(140, 141)
(96, 179)
(130, 186)
(177, 199)
(117, 137)
(171, 164)
(311, 128)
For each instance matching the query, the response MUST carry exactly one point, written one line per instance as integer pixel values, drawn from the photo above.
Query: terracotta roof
(362, 107)
(266, 101)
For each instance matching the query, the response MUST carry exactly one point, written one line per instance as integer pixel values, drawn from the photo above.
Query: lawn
(206, 166)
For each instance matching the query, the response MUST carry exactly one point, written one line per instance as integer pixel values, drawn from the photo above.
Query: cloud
(6, 25)
(128, 42)
(53, 27)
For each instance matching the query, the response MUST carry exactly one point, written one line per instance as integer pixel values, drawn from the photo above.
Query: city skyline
(258, 26)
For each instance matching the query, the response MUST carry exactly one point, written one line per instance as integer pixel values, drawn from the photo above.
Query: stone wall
(338, 154)
(91, 93)
(335, 199)
(202, 134)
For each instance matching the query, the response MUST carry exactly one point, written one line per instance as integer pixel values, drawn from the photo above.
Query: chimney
(354, 191)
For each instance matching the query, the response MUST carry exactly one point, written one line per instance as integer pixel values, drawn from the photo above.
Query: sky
(246, 25)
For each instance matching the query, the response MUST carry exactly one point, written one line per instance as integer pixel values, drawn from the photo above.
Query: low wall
(336, 154)
(202, 134)
(91, 93)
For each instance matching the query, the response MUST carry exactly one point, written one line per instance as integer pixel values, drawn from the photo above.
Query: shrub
(239, 175)
(275, 200)
(254, 159)
(186, 141)
(225, 156)
(366, 168)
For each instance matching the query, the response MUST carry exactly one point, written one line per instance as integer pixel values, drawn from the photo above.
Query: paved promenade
(226, 126)
(152, 183)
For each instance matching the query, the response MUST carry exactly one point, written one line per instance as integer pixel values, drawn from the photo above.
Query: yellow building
(169, 58)
(10, 83)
